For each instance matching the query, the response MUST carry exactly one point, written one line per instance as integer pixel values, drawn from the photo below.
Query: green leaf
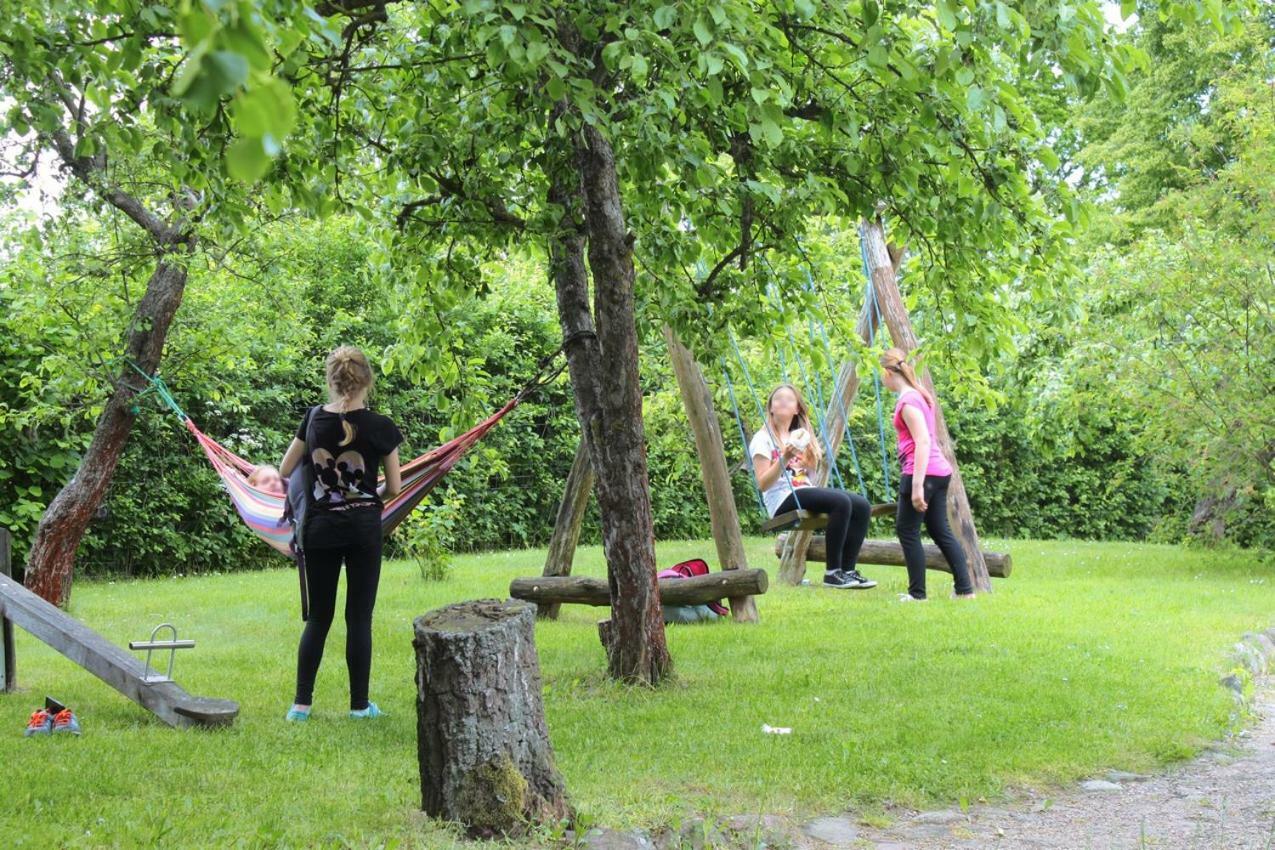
(664, 17)
(537, 51)
(871, 12)
(736, 52)
(191, 68)
(1127, 8)
(611, 54)
(196, 25)
(246, 160)
(248, 44)
(702, 32)
(877, 56)
(947, 13)
(639, 68)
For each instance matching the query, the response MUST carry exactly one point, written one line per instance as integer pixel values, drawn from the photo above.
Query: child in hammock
(267, 478)
(787, 442)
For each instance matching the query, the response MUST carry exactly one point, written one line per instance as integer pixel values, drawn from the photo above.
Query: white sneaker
(907, 597)
(859, 581)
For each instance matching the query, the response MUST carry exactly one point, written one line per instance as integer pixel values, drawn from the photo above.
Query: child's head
(898, 374)
(267, 478)
(348, 373)
(785, 406)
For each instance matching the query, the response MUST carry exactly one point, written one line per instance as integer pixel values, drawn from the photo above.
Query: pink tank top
(938, 464)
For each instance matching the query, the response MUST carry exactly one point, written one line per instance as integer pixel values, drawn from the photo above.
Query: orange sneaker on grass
(41, 723)
(64, 722)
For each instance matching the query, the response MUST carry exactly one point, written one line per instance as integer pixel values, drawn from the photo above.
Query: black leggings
(908, 523)
(848, 515)
(362, 558)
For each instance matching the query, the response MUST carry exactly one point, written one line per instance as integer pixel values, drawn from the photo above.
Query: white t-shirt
(763, 446)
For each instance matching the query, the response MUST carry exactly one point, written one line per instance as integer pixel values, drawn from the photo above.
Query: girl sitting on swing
(785, 453)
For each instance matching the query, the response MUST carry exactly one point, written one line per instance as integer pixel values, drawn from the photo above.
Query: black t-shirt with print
(345, 470)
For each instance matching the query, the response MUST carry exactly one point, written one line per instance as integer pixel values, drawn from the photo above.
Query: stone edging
(1252, 658)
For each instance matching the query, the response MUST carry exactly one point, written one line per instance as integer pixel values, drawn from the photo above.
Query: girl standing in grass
(347, 444)
(926, 474)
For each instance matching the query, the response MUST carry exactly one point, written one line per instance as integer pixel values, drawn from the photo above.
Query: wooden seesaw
(135, 679)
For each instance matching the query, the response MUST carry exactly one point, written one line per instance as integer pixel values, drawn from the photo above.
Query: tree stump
(485, 757)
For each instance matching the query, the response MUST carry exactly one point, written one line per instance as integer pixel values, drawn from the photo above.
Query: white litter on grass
(776, 730)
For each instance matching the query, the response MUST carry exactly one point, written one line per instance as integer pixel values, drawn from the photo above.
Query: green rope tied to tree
(160, 389)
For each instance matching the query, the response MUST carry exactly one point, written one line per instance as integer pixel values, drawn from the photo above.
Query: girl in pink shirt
(923, 484)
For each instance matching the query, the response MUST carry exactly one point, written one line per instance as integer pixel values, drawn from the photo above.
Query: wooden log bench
(583, 590)
(890, 553)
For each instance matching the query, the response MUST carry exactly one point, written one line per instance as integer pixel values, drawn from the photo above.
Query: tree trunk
(566, 529)
(722, 513)
(52, 558)
(482, 742)
(618, 440)
(603, 364)
(895, 316)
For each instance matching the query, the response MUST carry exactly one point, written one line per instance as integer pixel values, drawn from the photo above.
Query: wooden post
(723, 516)
(8, 660)
(895, 316)
(482, 742)
(566, 528)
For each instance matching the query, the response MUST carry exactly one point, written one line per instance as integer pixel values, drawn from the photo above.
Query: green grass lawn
(1091, 656)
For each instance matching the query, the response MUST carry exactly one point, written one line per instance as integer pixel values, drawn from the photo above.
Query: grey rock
(1233, 682)
(927, 831)
(1099, 785)
(941, 817)
(611, 839)
(699, 834)
(1125, 776)
(749, 824)
(837, 831)
(1262, 641)
(1250, 658)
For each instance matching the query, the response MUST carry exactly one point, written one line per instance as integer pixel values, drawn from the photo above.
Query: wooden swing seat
(800, 520)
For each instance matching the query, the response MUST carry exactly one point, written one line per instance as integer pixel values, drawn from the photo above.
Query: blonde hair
(800, 419)
(896, 360)
(348, 373)
(258, 474)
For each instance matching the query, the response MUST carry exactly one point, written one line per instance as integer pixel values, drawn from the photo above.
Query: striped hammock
(262, 511)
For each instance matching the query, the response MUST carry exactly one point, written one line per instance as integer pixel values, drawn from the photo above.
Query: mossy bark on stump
(485, 757)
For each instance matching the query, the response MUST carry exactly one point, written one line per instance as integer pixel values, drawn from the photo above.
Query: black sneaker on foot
(837, 580)
(860, 581)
